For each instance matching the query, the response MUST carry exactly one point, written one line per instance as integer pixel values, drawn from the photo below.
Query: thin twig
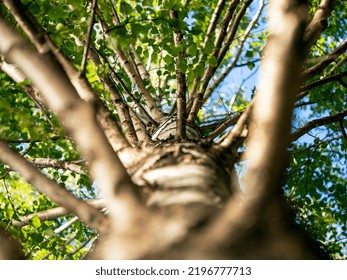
(51, 214)
(317, 123)
(223, 126)
(342, 128)
(89, 35)
(233, 64)
(305, 90)
(240, 129)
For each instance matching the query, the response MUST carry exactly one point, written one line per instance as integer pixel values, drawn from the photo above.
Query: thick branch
(316, 123)
(140, 128)
(181, 83)
(139, 65)
(76, 116)
(270, 122)
(279, 83)
(154, 110)
(52, 53)
(325, 61)
(319, 22)
(56, 192)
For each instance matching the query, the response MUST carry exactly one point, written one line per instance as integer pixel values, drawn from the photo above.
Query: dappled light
(173, 129)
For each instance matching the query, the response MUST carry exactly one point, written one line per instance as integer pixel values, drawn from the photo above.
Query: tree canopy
(139, 62)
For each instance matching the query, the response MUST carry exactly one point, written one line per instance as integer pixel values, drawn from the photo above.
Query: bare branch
(139, 65)
(140, 128)
(51, 214)
(56, 163)
(319, 22)
(325, 61)
(316, 123)
(57, 193)
(154, 110)
(232, 30)
(89, 34)
(181, 84)
(238, 132)
(324, 80)
(66, 225)
(223, 126)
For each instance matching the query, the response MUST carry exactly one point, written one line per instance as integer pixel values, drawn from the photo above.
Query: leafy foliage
(315, 179)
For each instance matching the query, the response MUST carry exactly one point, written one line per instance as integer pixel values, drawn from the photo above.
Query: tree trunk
(189, 184)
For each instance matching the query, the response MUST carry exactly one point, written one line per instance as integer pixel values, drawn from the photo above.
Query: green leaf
(209, 47)
(249, 53)
(250, 65)
(212, 61)
(35, 221)
(199, 70)
(192, 49)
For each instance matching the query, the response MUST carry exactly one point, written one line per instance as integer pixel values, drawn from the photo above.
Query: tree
(113, 138)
